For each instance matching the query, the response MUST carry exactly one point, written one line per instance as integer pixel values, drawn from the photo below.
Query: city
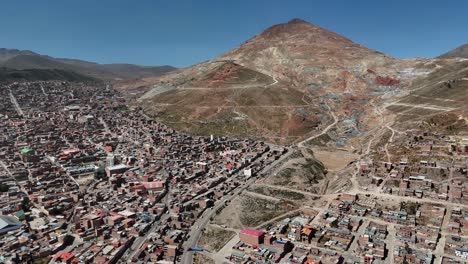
(233, 132)
(94, 181)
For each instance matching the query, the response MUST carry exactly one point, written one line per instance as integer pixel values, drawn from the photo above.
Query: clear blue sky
(181, 33)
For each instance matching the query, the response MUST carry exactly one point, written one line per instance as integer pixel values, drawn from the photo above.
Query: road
(196, 232)
(16, 105)
(140, 240)
(43, 91)
(197, 228)
(273, 83)
(426, 106)
(106, 127)
(7, 170)
(200, 224)
(391, 238)
(335, 120)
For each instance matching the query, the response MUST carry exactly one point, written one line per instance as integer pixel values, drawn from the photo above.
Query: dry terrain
(214, 238)
(251, 209)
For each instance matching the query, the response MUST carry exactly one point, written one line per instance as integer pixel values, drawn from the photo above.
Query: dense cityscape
(160, 132)
(85, 178)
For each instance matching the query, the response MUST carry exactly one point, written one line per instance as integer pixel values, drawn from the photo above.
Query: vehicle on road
(196, 249)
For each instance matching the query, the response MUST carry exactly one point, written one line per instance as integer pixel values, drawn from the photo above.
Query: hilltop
(280, 85)
(460, 52)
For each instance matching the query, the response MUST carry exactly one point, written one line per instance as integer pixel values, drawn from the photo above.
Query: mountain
(443, 92)
(281, 85)
(7, 75)
(6, 54)
(460, 52)
(21, 59)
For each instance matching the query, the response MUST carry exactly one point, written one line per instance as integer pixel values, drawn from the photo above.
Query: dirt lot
(301, 173)
(229, 216)
(281, 194)
(201, 259)
(249, 211)
(335, 160)
(214, 238)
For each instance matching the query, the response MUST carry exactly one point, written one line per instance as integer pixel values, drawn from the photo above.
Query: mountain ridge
(9, 75)
(459, 52)
(25, 59)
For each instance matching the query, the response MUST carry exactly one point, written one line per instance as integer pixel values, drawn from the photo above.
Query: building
(120, 168)
(462, 252)
(251, 236)
(9, 223)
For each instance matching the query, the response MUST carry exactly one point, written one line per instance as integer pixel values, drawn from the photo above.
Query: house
(462, 252)
(154, 187)
(251, 236)
(63, 257)
(111, 170)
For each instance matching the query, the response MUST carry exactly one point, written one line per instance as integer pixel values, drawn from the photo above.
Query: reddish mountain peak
(297, 20)
(294, 26)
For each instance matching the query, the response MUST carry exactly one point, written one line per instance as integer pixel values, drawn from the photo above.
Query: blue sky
(181, 33)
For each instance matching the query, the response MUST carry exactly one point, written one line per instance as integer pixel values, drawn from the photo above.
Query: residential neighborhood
(86, 179)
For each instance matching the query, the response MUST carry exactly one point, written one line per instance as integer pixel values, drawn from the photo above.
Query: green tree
(4, 187)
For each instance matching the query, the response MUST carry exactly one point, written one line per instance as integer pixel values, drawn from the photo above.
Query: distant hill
(24, 59)
(460, 52)
(6, 54)
(7, 74)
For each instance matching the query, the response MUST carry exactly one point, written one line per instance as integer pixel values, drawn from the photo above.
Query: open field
(281, 194)
(335, 160)
(202, 259)
(214, 238)
(249, 211)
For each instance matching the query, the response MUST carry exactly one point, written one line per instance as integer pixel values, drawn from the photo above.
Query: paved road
(15, 104)
(196, 230)
(43, 91)
(140, 240)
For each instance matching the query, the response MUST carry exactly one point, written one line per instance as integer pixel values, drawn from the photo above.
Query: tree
(4, 187)
(25, 203)
(99, 173)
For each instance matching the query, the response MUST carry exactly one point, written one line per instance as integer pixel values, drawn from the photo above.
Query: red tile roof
(64, 256)
(153, 185)
(252, 232)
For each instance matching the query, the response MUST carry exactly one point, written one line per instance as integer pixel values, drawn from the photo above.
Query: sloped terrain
(280, 85)
(443, 91)
(7, 74)
(460, 52)
(26, 60)
(229, 75)
(255, 111)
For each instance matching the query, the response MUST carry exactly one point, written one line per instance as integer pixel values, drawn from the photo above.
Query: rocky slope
(313, 72)
(460, 52)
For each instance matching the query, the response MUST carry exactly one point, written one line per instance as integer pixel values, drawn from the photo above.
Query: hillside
(7, 75)
(443, 92)
(20, 60)
(281, 85)
(460, 52)
(230, 74)
(6, 54)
